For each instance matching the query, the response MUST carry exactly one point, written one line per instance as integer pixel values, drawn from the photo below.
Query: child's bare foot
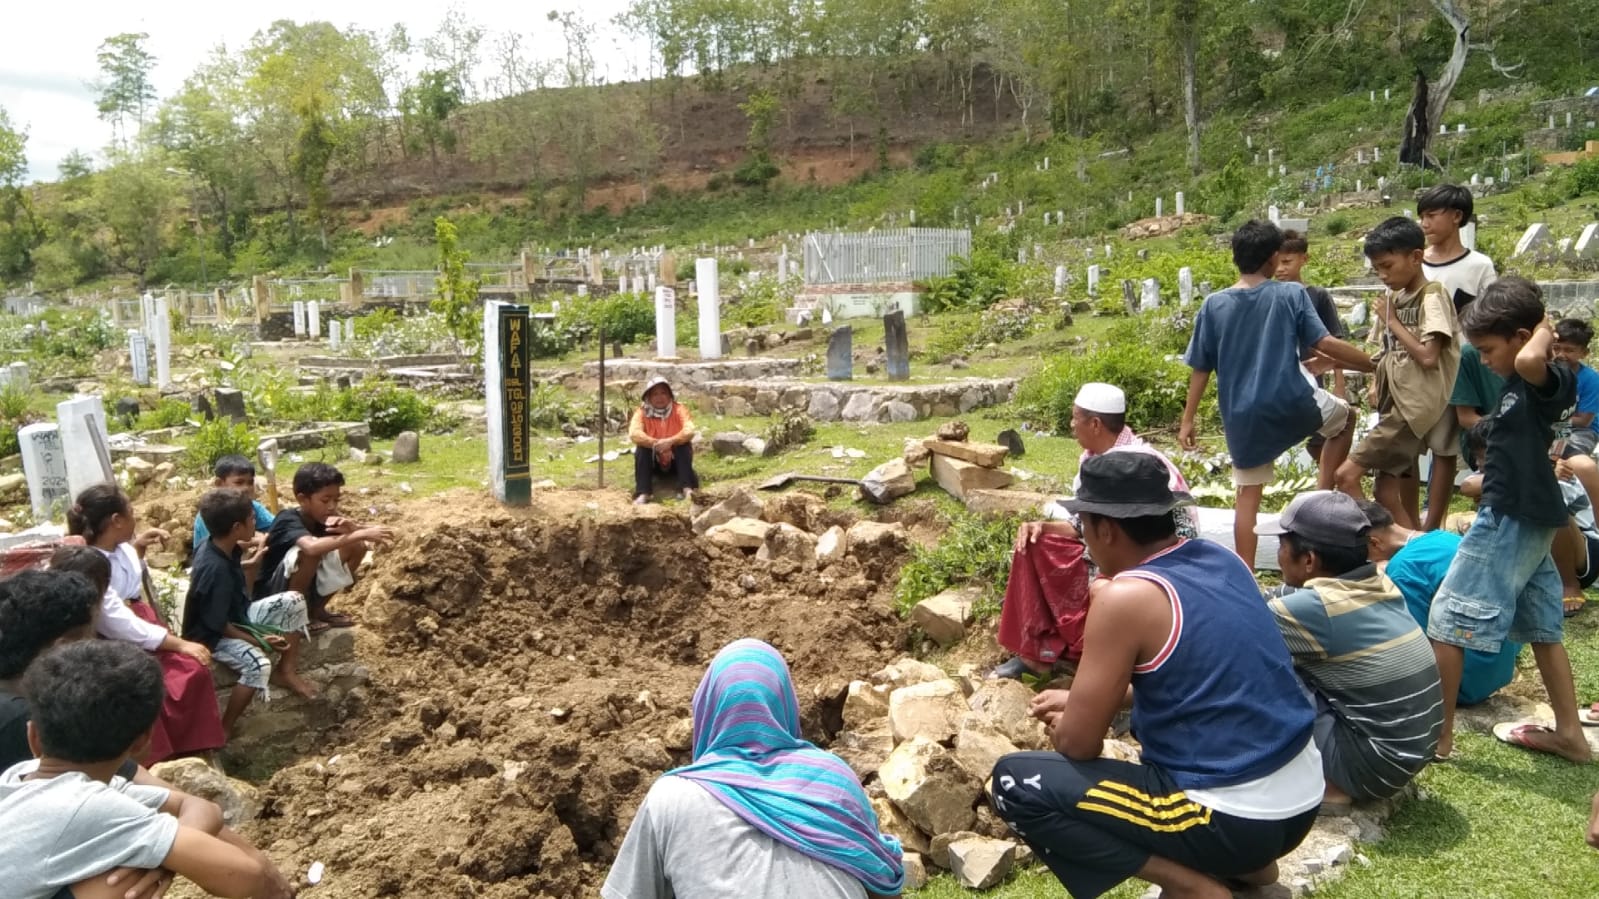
(294, 683)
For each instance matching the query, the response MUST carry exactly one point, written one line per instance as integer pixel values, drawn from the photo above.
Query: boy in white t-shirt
(1443, 211)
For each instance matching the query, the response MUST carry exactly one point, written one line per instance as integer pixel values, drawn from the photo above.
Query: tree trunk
(1190, 40)
(1429, 103)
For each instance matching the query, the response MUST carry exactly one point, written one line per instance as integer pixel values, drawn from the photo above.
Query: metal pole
(601, 331)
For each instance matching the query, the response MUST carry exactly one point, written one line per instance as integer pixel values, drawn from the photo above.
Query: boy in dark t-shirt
(1291, 261)
(312, 549)
(1503, 582)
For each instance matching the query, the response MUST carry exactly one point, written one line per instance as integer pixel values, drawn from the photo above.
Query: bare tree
(1429, 102)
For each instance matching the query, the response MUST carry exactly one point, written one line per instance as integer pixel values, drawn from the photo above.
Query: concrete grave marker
(299, 318)
(1185, 285)
(313, 320)
(507, 384)
(84, 442)
(139, 356)
(1564, 246)
(1274, 214)
(163, 345)
(45, 467)
(1160, 207)
(708, 283)
(1151, 296)
(840, 353)
(1535, 238)
(896, 344)
(1129, 296)
(335, 333)
(1093, 280)
(666, 323)
(1587, 245)
(1060, 280)
(15, 376)
(1178, 202)
(230, 404)
(1468, 235)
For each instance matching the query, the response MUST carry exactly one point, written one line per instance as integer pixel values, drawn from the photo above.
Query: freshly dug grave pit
(531, 677)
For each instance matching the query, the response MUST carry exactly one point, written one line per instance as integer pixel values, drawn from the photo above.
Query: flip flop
(334, 619)
(1590, 715)
(1573, 605)
(1515, 734)
(318, 627)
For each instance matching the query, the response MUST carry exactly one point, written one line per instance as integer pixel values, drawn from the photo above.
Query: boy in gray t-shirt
(68, 819)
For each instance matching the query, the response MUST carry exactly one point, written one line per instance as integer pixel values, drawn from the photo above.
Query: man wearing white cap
(1046, 597)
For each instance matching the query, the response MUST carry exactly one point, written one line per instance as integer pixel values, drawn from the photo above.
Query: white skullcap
(1106, 399)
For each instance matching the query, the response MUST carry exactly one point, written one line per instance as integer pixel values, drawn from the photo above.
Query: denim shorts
(1502, 585)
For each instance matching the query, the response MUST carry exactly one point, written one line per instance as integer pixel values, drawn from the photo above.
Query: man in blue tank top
(1231, 779)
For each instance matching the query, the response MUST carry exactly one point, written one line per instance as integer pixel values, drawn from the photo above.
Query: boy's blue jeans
(1503, 584)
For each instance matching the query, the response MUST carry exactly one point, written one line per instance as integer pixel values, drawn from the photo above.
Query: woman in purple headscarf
(761, 813)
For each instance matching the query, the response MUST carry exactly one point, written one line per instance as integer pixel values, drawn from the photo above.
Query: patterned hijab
(749, 754)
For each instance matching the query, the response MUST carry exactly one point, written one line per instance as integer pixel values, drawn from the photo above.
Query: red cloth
(1046, 601)
(189, 722)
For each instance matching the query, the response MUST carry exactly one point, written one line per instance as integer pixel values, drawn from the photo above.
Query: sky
(48, 65)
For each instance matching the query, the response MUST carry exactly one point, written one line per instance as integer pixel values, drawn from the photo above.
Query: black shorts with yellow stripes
(1096, 823)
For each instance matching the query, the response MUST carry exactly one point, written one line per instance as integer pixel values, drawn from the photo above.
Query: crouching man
(1231, 778)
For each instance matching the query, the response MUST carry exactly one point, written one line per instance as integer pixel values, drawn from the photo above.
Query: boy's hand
(1379, 309)
(375, 534)
(252, 555)
(196, 651)
(142, 884)
(1185, 435)
(1048, 705)
(149, 538)
(338, 525)
(277, 641)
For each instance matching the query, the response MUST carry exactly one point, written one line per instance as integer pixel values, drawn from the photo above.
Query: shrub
(624, 316)
(389, 408)
(169, 413)
(1585, 177)
(1335, 224)
(216, 439)
(974, 551)
(14, 416)
(1155, 381)
(978, 282)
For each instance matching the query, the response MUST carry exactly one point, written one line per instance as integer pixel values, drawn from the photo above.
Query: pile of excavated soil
(531, 677)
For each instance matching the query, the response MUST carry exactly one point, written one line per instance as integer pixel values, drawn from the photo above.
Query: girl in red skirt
(189, 722)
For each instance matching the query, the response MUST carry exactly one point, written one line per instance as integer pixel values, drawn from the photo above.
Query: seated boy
(312, 549)
(1417, 563)
(219, 613)
(1254, 336)
(67, 817)
(38, 610)
(1572, 337)
(1415, 371)
(1364, 661)
(238, 473)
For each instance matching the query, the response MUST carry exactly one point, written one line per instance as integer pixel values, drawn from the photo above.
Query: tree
(1185, 27)
(428, 105)
(1428, 102)
(75, 165)
(761, 108)
(19, 229)
(457, 293)
(137, 203)
(125, 88)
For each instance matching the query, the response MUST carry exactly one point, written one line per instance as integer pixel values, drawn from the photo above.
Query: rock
(896, 412)
(785, 541)
(1005, 704)
(1121, 751)
(923, 779)
(680, 735)
(1012, 441)
(938, 846)
(138, 469)
(931, 710)
(823, 406)
(989, 503)
(955, 431)
(959, 364)
(735, 407)
(864, 751)
(915, 871)
(800, 509)
(970, 400)
(743, 503)
(979, 862)
(861, 407)
(916, 452)
(830, 546)
(649, 754)
(164, 471)
(240, 802)
(755, 446)
(774, 340)
(230, 404)
(909, 671)
(740, 533)
(957, 477)
(944, 617)
(729, 443)
(979, 744)
(888, 482)
(871, 534)
(892, 821)
(865, 705)
(988, 455)
(407, 448)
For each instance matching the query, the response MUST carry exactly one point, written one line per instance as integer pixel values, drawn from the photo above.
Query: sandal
(334, 619)
(1519, 735)
(1015, 668)
(1589, 716)
(318, 627)
(1573, 605)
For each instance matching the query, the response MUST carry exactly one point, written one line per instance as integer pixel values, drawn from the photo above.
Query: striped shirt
(1355, 644)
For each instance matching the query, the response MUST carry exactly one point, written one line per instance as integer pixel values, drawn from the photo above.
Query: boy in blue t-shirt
(1503, 583)
(236, 473)
(1255, 336)
(1572, 336)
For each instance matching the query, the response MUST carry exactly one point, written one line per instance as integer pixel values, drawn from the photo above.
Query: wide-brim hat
(1125, 485)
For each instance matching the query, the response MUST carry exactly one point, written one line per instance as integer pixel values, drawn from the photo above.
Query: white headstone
(710, 290)
(1151, 297)
(299, 318)
(45, 468)
(1460, 128)
(1551, 120)
(1271, 156)
(582, 290)
(649, 282)
(163, 344)
(139, 356)
(1185, 285)
(335, 333)
(1060, 280)
(1476, 179)
(349, 329)
(1587, 245)
(1535, 238)
(1564, 246)
(1376, 154)
(1504, 174)
(1386, 93)
(827, 315)
(313, 313)
(1359, 185)
(1282, 171)
(84, 442)
(1274, 213)
(1374, 96)
(1249, 141)
(1468, 235)
(1093, 280)
(1160, 207)
(1443, 129)
(15, 376)
(666, 323)
(1489, 182)
(1179, 204)
(1568, 120)
(1360, 157)
(1021, 255)
(1107, 251)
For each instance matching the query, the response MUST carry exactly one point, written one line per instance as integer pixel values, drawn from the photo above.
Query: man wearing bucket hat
(1365, 663)
(663, 443)
(1046, 594)
(1231, 779)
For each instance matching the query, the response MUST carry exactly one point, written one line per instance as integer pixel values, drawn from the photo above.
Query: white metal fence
(906, 254)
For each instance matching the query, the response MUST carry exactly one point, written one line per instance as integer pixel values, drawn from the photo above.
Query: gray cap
(1324, 517)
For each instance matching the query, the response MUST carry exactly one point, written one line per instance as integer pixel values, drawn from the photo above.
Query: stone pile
(799, 531)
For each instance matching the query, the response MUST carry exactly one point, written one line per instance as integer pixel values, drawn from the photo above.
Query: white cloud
(49, 65)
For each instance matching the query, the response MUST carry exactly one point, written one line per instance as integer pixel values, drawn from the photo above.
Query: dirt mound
(531, 677)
